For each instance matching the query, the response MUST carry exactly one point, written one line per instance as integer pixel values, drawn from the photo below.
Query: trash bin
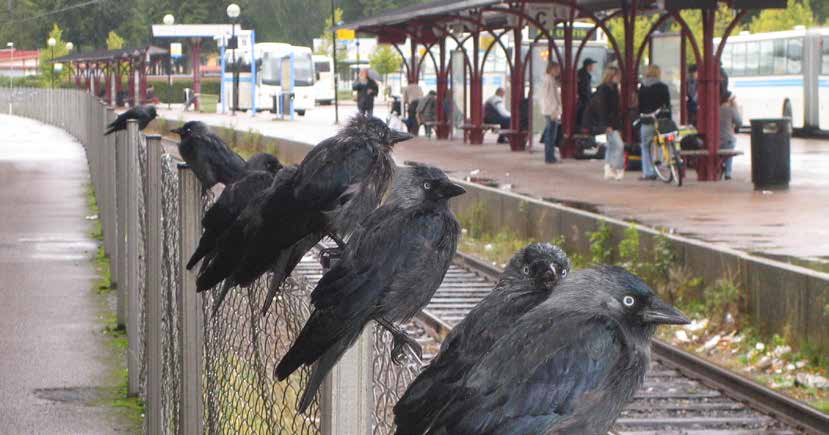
(771, 153)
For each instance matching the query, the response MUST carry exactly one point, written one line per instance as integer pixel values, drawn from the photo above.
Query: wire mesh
(390, 380)
(171, 286)
(141, 196)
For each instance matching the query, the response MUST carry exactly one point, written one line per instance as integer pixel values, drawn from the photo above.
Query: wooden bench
(494, 128)
(692, 156)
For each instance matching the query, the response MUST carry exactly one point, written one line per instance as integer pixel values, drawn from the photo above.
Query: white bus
(324, 79)
(269, 57)
(781, 74)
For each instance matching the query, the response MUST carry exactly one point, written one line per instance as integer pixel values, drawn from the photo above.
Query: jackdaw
(339, 183)
(568, 366)
(211, 159)
(389, 271)
(260, 171)
(144, 114)
(532, 273)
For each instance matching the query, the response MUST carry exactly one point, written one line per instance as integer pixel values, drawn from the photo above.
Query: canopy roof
(103, 55)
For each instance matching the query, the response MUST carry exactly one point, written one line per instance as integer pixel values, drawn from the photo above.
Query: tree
(694, 20)
(385, 60)
(114, 42)
(617, 30)
(327, 40)
(797, 13)
(47, 68)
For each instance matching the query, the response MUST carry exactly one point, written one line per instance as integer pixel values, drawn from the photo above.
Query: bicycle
(665, 155)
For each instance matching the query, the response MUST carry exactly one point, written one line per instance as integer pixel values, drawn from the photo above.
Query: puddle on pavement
(85, 396)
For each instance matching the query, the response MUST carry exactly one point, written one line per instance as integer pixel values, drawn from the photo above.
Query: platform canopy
(463, 22)
(111, 55)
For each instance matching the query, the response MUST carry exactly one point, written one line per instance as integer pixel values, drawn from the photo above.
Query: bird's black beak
(660, 313)
(449, 189)
(176, 131)
(399, 136)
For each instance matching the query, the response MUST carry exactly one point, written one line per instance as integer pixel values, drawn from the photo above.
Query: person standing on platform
(585, 88)
(605, 112)
(367, 90)
(691, 102)
(653, 95)
(411, 93)
(496, 113)
(427, 112)
(730, 121)
(551, 109)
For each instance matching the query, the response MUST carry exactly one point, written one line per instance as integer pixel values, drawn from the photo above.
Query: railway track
(682, 394)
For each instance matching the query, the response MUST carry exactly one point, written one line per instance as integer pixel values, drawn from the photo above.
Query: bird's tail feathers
(322, 368)
(219, 298)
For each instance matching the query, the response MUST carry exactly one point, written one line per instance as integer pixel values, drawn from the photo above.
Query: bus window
(727, 60)
(824, 69)
(779, 57)
(766, 58)
(322, 67)
(303, 70)
(794, 55)
(752, 58)
(739, 58)
(271, 70)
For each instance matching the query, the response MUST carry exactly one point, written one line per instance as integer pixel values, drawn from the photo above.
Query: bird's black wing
(120, 123)
(221, 215)
(330, 168)
(548, 369)
(227, 165)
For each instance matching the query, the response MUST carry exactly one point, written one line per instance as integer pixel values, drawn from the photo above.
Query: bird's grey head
(414, 185)
(264, 162)
(191, 128)
(624, 296)
(375, 130)
(152, 112)
(538, 265)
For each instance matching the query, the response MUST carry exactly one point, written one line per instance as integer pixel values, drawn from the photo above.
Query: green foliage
(721, 298)
(208, 87)
(629, 250)
(474, 222)
(114, 42)
(694, 20)
(385, 60)
(47, 69)
(601, 249)
(643, 24)
(797, 13)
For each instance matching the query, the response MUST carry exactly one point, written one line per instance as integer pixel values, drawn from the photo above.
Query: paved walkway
(779, 224)
(55, 370)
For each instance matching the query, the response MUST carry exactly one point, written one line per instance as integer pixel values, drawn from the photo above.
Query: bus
(781, 74)
(269, 57)
(323, 80)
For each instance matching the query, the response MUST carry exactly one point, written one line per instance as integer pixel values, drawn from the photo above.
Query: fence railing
(199, 372)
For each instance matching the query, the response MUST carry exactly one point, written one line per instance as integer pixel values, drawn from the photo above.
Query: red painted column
(130, 83)
(118, 83)
(629, 79)
(108, 82)
(476, 85)
(414, 71)
(443, 126)
(518, 141)
(142, 82)
(195, 54)
(707, 169)
(683, 80)
(568, 92)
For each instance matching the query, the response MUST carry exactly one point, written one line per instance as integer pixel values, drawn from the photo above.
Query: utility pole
(334, 56)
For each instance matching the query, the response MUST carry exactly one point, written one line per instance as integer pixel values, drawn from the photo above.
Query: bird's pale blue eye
(427, 185)
(628, 301)
(526, 270)
(564, 273)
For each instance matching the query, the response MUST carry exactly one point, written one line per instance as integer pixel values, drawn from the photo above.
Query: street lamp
(233, 12)
(51, 43)
(169, 20)
(11, 60)
(70, 46)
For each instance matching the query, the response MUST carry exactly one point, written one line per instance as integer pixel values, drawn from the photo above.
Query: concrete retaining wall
(781, 299)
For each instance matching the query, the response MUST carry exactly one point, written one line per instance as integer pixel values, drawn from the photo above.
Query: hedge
(209, 86)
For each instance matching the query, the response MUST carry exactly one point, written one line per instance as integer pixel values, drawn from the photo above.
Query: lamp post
(11, 63)
(169, 20)
(51, 43)
(334, 57)
(233, 12)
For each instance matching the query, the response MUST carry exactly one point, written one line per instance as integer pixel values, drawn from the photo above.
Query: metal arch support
(590, 33)
(690, 36)
(739, 17)
(641, 50)
(403, 56)
(489, 49)
(602, 24)
(535, 22)
(428, 49)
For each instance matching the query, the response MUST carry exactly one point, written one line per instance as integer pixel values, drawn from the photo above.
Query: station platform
(787, 225)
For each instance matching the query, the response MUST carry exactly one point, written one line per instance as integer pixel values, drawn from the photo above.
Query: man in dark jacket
(585, 88)
(367, 90)
(691, 102)
(653, 95)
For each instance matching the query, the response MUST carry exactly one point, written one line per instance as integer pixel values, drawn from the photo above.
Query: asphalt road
(56, 371)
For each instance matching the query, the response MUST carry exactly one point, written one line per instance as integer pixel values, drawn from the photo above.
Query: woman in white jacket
(551, 109)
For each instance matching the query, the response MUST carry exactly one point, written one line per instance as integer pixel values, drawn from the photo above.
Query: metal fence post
(121, 246)
(108, 185)
(133, 294)
(192, 332)
(152, 405)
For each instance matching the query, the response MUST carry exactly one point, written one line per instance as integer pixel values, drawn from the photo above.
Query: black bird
(339, 183)
(532, 273)
(144, 114)
(388, 272)
(261, 169)
(568, 366)
(211, 159)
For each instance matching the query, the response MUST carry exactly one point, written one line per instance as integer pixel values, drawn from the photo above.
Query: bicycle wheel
(661, 160)
(676, 169)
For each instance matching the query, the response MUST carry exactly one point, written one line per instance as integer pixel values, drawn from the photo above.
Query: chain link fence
(217, 377)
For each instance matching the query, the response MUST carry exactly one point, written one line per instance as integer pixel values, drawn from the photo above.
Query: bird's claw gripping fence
(198, 372)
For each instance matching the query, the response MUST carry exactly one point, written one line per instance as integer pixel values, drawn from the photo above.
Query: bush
(208, 86)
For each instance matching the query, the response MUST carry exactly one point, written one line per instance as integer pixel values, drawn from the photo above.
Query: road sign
(346, 34)
(175, 50)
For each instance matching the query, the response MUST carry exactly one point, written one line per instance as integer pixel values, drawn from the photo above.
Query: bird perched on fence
(388, 272)
(260, 171)
(211, 159)
(339, 182)
(568, 366)
(532, 273)
(143, 114)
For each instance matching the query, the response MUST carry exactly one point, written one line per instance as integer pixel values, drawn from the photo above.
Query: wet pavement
(785, 225)
(56, 372)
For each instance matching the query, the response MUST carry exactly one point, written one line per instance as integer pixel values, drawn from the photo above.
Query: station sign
(346, 34)
(175, 50)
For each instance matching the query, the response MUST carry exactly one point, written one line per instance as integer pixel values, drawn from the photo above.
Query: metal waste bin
(771, 153)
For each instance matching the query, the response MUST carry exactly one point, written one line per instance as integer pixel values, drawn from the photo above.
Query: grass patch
(208, 103)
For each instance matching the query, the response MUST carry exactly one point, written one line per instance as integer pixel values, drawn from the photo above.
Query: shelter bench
(494, 128)
(693, 156)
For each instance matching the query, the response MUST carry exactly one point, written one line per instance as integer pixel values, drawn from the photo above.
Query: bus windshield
(303, 70)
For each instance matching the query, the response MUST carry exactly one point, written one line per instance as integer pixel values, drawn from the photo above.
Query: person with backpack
(604, 114)
(550, 96)
(653, 95)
